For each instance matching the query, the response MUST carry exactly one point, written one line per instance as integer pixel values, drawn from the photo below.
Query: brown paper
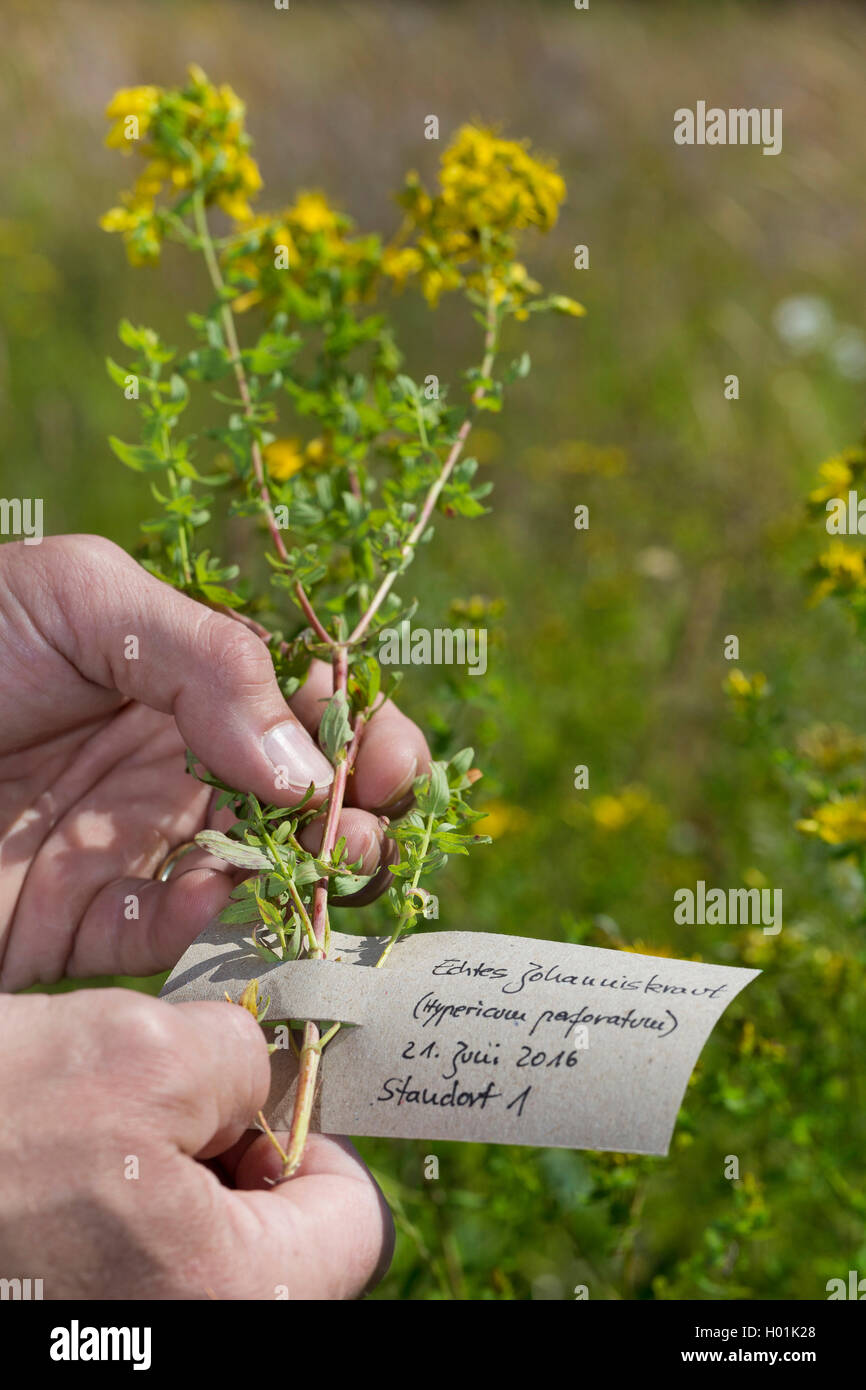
(496, 1039)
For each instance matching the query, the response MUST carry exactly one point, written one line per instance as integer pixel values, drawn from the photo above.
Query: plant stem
(171, 477)
(231, 337)
(181, 532)
(445, 473)
(319, 928)
(407, 910)
(311, 1047)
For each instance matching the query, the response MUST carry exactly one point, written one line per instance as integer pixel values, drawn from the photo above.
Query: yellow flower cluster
(476, 608)
(612, 813)
(745, 689)
(840, 570)
(491, 190)
(838, 822)
(751, 1042)
(837, 475)
(285, 457)
(500, 819)
(191, 137)
(290, 249)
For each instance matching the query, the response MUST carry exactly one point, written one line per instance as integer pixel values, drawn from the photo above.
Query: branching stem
(317, 928)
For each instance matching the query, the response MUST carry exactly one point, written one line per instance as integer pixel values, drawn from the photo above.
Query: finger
(139, 926)
(208, 670)
(367, 841)
(392, 754)
(393, 750)
(107, 835)
(330, 1233)
(220, 1079)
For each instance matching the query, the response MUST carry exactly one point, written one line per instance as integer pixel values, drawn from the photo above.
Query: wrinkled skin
(93, 795)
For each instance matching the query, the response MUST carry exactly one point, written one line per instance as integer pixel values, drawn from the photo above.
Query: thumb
(214, 675)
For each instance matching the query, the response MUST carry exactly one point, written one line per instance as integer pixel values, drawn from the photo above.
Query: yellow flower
(283, 458)
(563, 305)
(251, 1001)
(838, 822)
(193, 135)
(140, 102)
(132, 101)
(643, 948)
(400, 263)
(501, 819)
(313, 213)
(246, 301)
(476, 608)
(139, 227)
(613, 813)
(491, 189)
(316, 452)
(488, 181)
(745, 689)
(841, 570)
(837, 475)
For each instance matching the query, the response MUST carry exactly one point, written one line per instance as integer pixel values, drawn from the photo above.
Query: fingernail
(402, 789)
(295, 758)
(371, 853)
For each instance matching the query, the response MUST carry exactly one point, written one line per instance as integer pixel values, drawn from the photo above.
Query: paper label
(482, 1037)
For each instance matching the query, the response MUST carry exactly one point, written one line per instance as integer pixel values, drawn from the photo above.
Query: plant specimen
(343, 505)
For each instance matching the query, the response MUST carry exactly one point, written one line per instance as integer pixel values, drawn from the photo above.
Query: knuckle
(238, 655)
(135, 1030)
(84, 550)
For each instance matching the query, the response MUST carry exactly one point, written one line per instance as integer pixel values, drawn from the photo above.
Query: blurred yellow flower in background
(837, 475)
(400, 263)
(838, 822)
(747, 689)
(840, 570)
(313, 213)
(612, 813)
(502, 819)
(317, 452)
(283, 458)
(140, 102)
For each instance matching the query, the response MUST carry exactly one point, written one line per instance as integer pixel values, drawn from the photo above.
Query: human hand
(107, 1099)
(93, 788)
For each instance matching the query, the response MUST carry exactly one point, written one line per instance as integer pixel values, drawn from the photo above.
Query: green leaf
(140, 457)
(406, 386)
(335, 729)
(129, 335)
(462, 761)
(270, 915)
(432, 793)
(237, 913)
(119, 375)
(232, 851)
(293, 947)
(341, 885)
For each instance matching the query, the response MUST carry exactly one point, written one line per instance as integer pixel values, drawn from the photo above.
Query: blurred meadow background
(607, 645)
